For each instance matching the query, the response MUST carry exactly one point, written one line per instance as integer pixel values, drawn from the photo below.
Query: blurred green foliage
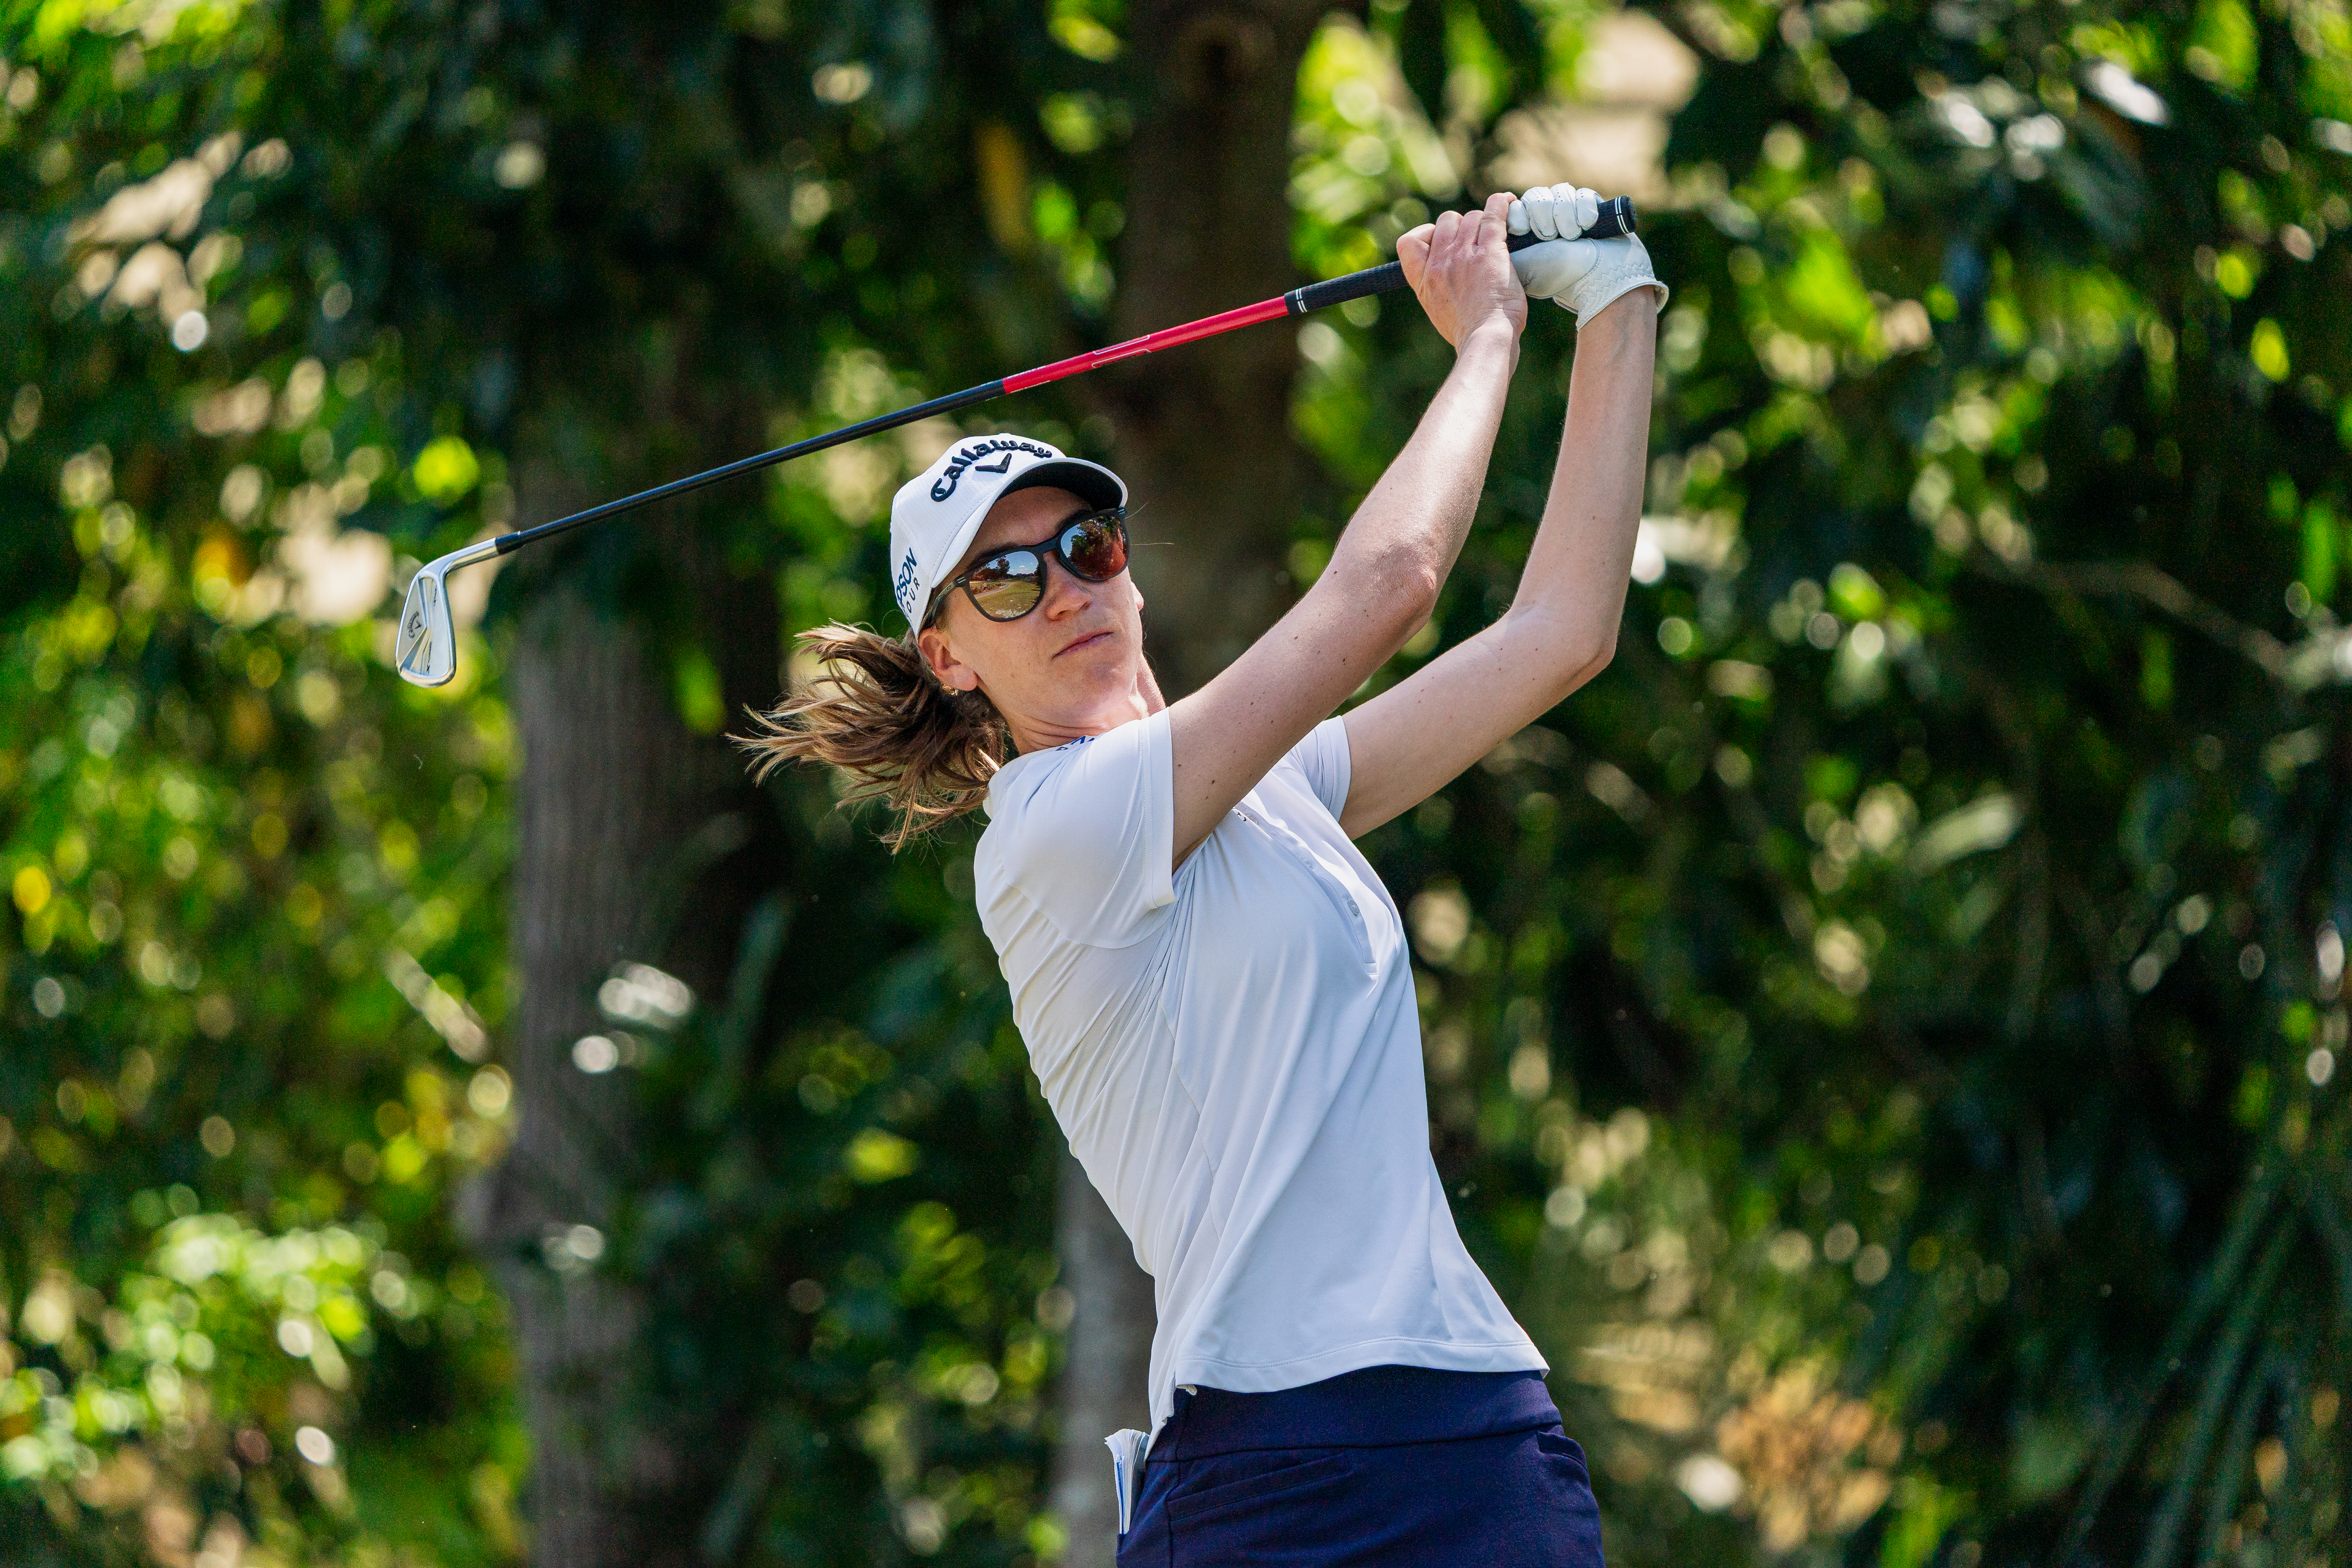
(1950, 865)
(1885, 1037)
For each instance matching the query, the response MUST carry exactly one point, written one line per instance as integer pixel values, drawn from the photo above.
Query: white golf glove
(1584, 276)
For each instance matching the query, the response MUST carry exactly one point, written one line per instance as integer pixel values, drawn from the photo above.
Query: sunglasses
(1010, 583)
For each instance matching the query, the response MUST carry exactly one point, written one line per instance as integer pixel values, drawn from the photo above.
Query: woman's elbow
(1397, 588)
(1602, 653)
(1411, 597)
(1427, 589)
(1581, 660)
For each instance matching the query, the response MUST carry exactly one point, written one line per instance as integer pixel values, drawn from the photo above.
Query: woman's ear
(953, 673)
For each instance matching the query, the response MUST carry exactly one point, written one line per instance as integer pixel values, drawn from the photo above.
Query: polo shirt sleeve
(1323, 757)
(1089, 840)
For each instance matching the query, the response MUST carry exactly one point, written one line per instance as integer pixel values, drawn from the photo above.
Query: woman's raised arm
(1384, 577)
(1561, 628)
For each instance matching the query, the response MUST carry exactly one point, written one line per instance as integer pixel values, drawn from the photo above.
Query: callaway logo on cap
(935, 514)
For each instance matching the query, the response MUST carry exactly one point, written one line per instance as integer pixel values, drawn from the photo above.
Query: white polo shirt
(1234, 1054)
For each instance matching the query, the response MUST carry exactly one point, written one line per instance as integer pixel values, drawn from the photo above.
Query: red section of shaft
(1150, 342)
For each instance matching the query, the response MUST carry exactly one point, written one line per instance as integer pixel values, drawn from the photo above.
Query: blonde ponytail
(875, 711)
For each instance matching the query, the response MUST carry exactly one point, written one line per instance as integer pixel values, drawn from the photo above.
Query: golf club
(426, 646)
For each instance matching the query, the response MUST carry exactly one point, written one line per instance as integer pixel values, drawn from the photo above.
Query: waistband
(1376, 1407)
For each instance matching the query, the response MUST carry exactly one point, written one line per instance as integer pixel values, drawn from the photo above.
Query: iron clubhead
(424, 644)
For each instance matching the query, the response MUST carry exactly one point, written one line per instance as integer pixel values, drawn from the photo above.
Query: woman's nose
(1065, 591)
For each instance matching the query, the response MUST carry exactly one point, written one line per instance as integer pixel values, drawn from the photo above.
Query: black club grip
(1333, 291)
(1616, 217)
(1614, 220)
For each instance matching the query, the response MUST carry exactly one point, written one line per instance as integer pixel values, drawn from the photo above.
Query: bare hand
(1460, 269)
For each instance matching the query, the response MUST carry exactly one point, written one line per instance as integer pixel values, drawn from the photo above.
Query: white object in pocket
(1127, 1448)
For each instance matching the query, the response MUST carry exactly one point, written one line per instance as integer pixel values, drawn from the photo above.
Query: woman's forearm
(1409, 530)
(1583, 552)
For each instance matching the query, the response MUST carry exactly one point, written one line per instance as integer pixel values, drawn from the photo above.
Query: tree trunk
(1203, 432)
(1109, 1358)
(630, 830)
(1203, 439)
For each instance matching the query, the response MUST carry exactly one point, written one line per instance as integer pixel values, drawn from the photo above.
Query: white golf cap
(935, 514)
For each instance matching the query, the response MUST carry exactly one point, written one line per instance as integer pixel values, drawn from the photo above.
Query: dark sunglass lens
(1006, 587)
(1096, 549)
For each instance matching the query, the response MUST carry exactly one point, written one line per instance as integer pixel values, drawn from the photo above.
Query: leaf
(1421, 56)
(2253, 1206)
(734, 1029)
(2213, 1398)
(2325, 1208)
(874, 1155)
(2229, 1481)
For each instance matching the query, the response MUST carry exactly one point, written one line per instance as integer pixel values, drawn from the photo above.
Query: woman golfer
(1214, 984)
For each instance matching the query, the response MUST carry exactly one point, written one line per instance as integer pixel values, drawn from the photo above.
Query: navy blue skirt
(1393, 1466)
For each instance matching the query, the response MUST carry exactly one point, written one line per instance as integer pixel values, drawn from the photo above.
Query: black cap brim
(1090, 482)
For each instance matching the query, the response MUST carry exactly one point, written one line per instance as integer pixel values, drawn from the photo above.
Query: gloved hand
(1584, 276)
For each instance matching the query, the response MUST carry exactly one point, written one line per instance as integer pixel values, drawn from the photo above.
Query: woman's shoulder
(1084, 832)
(1125, 748)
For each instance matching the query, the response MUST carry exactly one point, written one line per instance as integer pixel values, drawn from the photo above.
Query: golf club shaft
(1616, 217)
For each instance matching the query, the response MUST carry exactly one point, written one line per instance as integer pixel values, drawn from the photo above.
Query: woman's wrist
(1636, 311)
(1495, 334)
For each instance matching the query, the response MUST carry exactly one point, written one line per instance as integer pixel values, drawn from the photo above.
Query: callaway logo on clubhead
(416, 632)
(944, 486)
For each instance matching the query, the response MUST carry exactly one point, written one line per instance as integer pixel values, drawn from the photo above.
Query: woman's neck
(1030, 734)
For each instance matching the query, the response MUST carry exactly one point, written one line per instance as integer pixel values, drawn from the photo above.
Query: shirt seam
(1347, 761)
(1176, 1063)
(1013, 885)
